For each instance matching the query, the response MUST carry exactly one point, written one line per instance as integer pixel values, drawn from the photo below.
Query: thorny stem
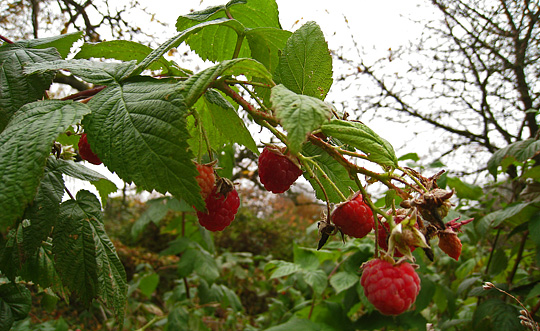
(245, 82)
(85, 93)
(69, 193)
(259, 102)
(6, 39)
(325, 176)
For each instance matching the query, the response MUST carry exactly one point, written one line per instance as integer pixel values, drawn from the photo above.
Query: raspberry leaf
(299, 114)
(343, 280)
(85, 257)
(139, 131)
(25, 145)
(266, 43)
(217, 42)
(316, 279)
(16, 89)
(358, 135)
(306, 64)
(334, 171)
(15, 304)
(62, 43)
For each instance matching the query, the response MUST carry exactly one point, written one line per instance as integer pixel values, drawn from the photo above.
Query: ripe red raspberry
(353, 217)
(86, 152)
(450, 243)
(391, 288)
(222, 208)
(206, 179)
(277, 171)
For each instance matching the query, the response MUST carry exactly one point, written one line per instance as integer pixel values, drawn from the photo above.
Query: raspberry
(86, 152)
(450, 243)
(221, 208)
(353, 217)
(206, 179)
(277, 171)
(392, 289)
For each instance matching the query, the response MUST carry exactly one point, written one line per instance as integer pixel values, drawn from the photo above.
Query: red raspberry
(277, 171)
(353, 217)
(206, 179)
(221, 208)
(391, 288)
(450, 243)
(86, 152)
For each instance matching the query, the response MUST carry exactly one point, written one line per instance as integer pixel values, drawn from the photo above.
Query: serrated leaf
(43, 211)
(495, 314)
(102, 73)
(520, 150)
(12, 253)
(199, 261)
(139, 131)
(62, 43)
(25, 145)
(15, 304)
(515, 214)
(266, 44)
(343, 280)
(305, 67)
(316, 279)
(41, 270)
(227, 121)
(284, 269)
(305, 258)
(358, 135)
(217, 42)
(16, 89)
(335, 172)
(85, 257)
(157, 210)
(464, 190)
(299, 114)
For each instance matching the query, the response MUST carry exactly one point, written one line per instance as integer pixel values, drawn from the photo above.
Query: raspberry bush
(153, 123)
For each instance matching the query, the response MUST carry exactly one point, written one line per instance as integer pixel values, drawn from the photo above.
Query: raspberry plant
(151, 122)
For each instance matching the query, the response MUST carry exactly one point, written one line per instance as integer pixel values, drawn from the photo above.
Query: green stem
(204, 135)
(324, 175)
(151, 322)
(312, 305)
(518, 258)
(256, 98)
(304, 162)
(244, 82)
(238, 46)
(492, 251)
(411, 176)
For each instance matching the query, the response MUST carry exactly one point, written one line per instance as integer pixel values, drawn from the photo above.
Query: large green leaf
(200, 261)
(333, 170)
(25, 145)
(15, 304)
(343, 280)
(300, 324)
(358, 135)
(520, 151)
(40, 269)
(464, 190)
(514, 214)
(316, 279)
(299, 114)
(62, 43)
(16, 89)
(305, 67)
(43, 211)
(94, 72)
(495, 314)
(86, 258)
(156, 211)
(138, 130)
(227, 121)
(217, 42)
(266, 44)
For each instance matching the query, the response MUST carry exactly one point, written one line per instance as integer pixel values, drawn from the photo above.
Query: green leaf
(465, 190)
(520, 150)
(15, 304)
(266, 44)
(102, 73)
(284, 269)
(305, 258)
(499, 262)
(335, 172)
(125, 50)
(85, 257)
(534, 229)
(16, 89)
(148, 284)
(227, 121)
(217, 42)
(62, 43)
(43, 211)
(514, 214)
(201, 262)
(305, 67)
(343, 280)
(25, 145)
(40, 269)
(358, 135)
(300, 324)
(157, 210)
(139, 131)
(495, 314)
(317, 279)
(299, 114)
(535, 291)
(231, 299)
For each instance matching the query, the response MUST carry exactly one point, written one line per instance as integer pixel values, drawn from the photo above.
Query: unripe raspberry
(353, 217)
(206, 179)
(86, 152)
(391, 288)
(277, 171)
